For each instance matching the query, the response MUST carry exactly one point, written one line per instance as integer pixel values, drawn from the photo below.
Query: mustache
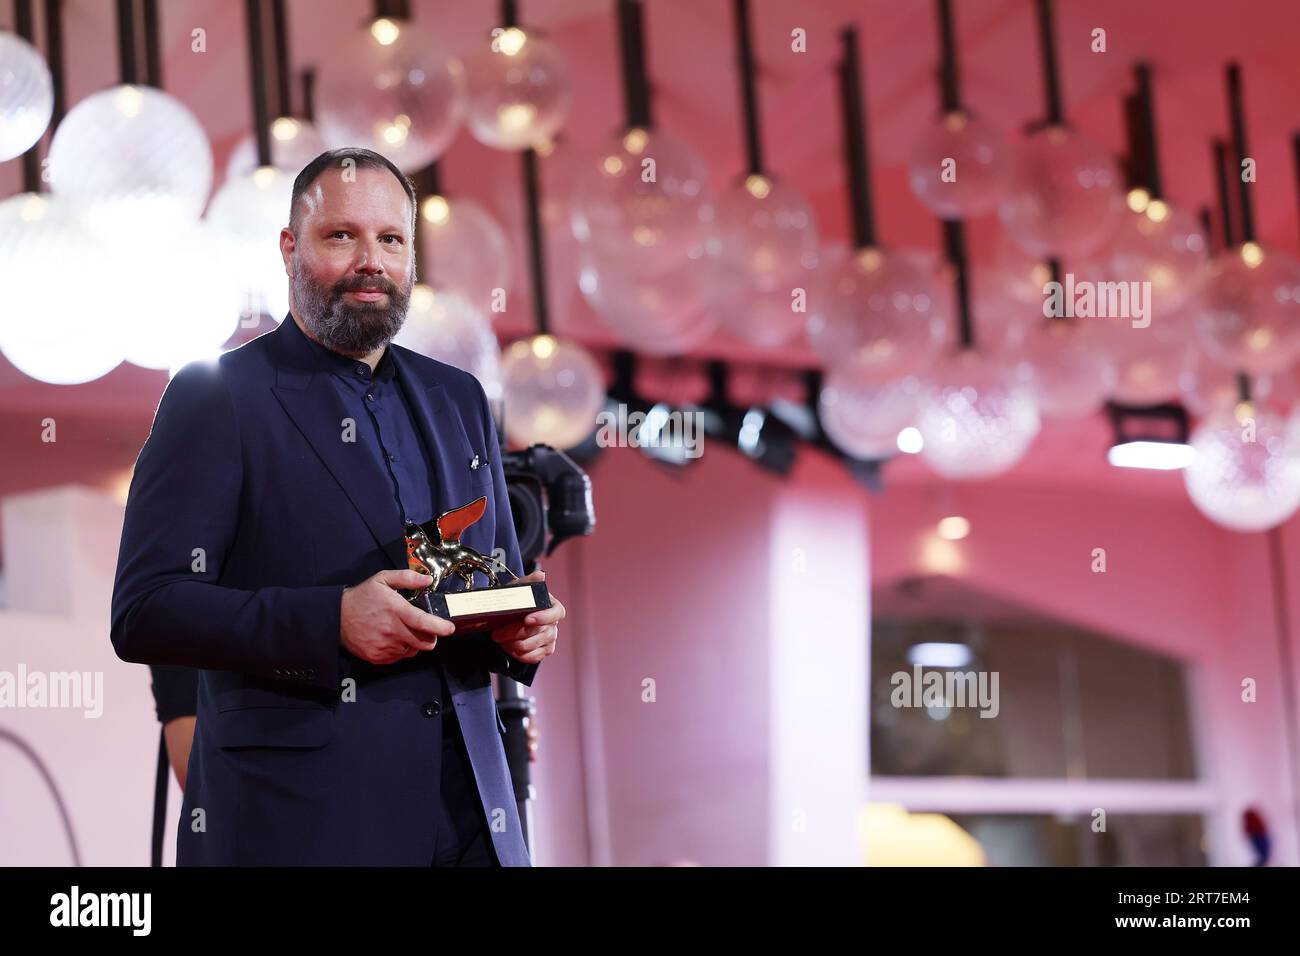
(364, 284)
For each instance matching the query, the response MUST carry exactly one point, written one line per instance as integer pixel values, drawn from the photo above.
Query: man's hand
(179, 736)
(378, 625)
(533, 638)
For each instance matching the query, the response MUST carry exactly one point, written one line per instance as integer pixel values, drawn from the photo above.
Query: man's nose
(370, 263)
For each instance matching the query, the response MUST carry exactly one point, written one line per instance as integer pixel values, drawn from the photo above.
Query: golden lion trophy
(435, 549)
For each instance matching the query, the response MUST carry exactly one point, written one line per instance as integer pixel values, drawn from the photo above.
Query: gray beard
(354, 329)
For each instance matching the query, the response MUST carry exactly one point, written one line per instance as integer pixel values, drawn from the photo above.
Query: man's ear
(287, 243)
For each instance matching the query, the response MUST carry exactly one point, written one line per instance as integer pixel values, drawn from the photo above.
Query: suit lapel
(304, 391)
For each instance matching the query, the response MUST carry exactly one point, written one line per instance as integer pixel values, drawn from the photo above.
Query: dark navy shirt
(385, 428)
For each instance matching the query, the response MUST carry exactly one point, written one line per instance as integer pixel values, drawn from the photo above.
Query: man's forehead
(365, 189)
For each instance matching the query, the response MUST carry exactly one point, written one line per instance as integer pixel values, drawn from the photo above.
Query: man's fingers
(424, 625)
(407, 579)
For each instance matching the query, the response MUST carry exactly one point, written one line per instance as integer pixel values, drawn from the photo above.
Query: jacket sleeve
(182, 515)
(507, 543)
(175, 691)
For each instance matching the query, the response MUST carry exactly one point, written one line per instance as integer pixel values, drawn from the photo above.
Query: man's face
(351, 264)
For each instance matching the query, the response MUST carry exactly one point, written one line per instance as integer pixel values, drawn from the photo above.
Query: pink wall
(1174, 583)
(743, 598)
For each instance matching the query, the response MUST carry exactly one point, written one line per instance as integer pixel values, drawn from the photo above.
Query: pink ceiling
(691, 60)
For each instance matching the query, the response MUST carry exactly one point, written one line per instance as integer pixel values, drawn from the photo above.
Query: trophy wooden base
(485, 608)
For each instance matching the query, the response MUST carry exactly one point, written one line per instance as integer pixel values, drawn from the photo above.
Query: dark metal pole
(536, 243)
(54, 53)
(748, 87)
(950, 80)
(954, 236)
(126, 42)
(1147, 127)
(1220, 154)
(257, 77)
(636, 93)
(857, 156)
(1237, 114)
(280, 32)
(152, 55)
(24, 27)
(1055, 113)
(308, 80)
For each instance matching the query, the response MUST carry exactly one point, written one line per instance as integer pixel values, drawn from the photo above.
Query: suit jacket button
(432, 709)
(278, 672)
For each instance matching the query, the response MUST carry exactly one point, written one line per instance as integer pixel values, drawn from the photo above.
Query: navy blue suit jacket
(248, 514)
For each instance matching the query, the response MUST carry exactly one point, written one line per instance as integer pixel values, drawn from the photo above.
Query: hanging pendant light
(552, 388)
(519, 86)
(769, 236)
(876, 309)
(295, 137)
(977, 414)
(1063, 198)
(1251, 314)
(463, 250)
(960, 163)
(251, 209)
(391, 88)
(152, 168)
(645, 216)
(26, 88)
(1245, 469)
(443, 322)
(1158, 250)
(52, 330)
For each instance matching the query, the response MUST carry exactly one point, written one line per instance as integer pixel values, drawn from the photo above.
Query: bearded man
(264, 544)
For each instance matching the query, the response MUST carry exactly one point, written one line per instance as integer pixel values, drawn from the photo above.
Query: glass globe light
(879, 309)
(863, 417)
(1250, 317)
(294, 144)
(465, 251)
(769, 244)
(959, 167)
(1002, 311)
(519, 90)
(1245, 470)
(1148, 358)
(1204, 385)
(133, 158)
(644, 204)
(445, 326)
(53, 326)
(26, 96)
(391, 89)
(190, 309)
(1063, 195)
(1072, 378)
(250, 212)
(1160, 244)
(657, 315)
(1023, 278)
(553, 391)
(977, 416)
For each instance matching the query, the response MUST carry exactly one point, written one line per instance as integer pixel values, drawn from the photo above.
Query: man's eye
(396, 239)
(338, 232)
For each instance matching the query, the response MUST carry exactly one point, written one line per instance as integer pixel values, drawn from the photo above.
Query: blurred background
(934, 366)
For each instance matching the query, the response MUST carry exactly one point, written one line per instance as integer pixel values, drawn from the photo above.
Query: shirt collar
(339, 364)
